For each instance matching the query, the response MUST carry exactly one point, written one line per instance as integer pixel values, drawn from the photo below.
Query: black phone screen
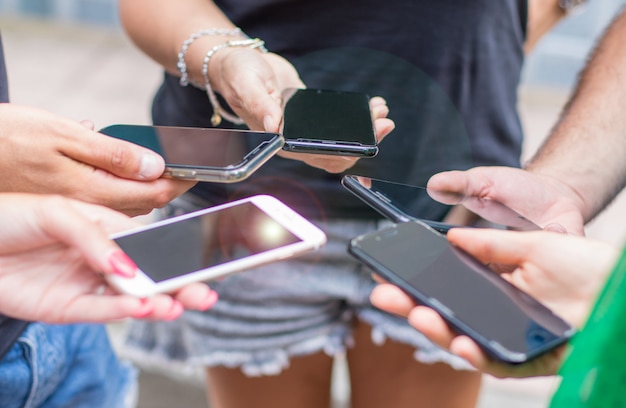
(314, 115)
(194, 147)
(199, 242)
(475, 300)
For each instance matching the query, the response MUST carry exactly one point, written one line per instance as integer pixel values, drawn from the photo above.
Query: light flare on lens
(271, 232)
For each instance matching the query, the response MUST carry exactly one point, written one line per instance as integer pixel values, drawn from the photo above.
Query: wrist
(564, 186)
(195, 55)
(218, 111)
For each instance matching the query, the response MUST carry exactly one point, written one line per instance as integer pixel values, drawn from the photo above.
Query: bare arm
(543, 15)
(250, 81)
(159, 28)
(587, 148)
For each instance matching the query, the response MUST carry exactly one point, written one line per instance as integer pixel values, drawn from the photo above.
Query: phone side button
(184, 173)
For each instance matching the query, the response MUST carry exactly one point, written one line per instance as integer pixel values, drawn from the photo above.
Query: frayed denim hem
(397, 329)
(253, 363)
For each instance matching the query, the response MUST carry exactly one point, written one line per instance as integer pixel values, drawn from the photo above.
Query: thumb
(263, 111)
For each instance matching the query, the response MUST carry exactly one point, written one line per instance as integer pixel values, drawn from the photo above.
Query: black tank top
(449, 70)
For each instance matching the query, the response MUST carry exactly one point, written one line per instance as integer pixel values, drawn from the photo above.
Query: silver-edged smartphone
(213, 243)
(330, 122)
(203, 154)
(508, 324)
(403, 202)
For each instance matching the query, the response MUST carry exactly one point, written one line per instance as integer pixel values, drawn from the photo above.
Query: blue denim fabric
(65, 366)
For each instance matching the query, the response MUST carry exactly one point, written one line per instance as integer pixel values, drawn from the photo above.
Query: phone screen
(332, 119)
(211, 239)
(194, 147)
(509, 323)
(403, 202)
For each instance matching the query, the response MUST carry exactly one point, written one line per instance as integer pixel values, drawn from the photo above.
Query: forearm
(542, 16)
(587, 148)
(159, 28)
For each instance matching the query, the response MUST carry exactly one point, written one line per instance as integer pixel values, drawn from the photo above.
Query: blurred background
(72, 58)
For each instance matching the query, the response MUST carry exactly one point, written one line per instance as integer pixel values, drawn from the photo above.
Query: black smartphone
(203, 154)
(508, 324)
(403, 202)
(330, 122)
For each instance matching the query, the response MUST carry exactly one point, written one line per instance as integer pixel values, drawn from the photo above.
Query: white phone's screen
(197, 243)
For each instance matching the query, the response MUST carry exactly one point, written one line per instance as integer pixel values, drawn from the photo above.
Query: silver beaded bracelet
(218, 111)
(182, 65)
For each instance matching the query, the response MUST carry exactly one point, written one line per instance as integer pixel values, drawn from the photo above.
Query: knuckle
(121, 157)
(162, 198)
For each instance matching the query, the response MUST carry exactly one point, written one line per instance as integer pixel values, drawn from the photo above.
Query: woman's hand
(53, 254)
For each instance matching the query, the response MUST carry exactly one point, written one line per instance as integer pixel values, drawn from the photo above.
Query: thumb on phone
(118, 157)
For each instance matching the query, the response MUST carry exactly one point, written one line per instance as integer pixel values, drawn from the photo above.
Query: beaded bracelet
(182, 65)
(218, 111)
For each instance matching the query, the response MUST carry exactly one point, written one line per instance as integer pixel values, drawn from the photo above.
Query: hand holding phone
(403, 202)
(509, 325)
(328, 122)
(203, 154)
(213, 243)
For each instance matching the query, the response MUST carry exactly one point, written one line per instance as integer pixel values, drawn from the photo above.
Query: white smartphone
(203, 154)
(213, 243)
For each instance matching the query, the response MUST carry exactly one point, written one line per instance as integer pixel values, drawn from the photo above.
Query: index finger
(391, 299)
(491, 245)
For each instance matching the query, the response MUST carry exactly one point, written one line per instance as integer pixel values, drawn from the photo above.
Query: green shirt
(594, 373)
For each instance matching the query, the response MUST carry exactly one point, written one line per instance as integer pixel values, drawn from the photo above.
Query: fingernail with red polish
(145, 309)
(175, 311)
(122, 265)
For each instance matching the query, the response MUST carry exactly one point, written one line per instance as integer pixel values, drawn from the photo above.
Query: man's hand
(562, 271)
(546, 201)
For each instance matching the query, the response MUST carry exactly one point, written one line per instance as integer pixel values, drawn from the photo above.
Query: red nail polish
(145, 309)
(122, 265)
(175, 311)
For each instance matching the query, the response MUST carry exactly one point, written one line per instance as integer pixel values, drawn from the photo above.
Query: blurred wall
(560, 55)
(101, 12)
(554, 63)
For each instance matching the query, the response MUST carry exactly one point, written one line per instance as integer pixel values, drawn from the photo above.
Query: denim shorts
(268, 314)
(65, 366)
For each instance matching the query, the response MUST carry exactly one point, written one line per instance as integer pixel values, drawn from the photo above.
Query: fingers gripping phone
(403, 202)
(213, 243)
(504, 321)
(328, 122)
(203, 154)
